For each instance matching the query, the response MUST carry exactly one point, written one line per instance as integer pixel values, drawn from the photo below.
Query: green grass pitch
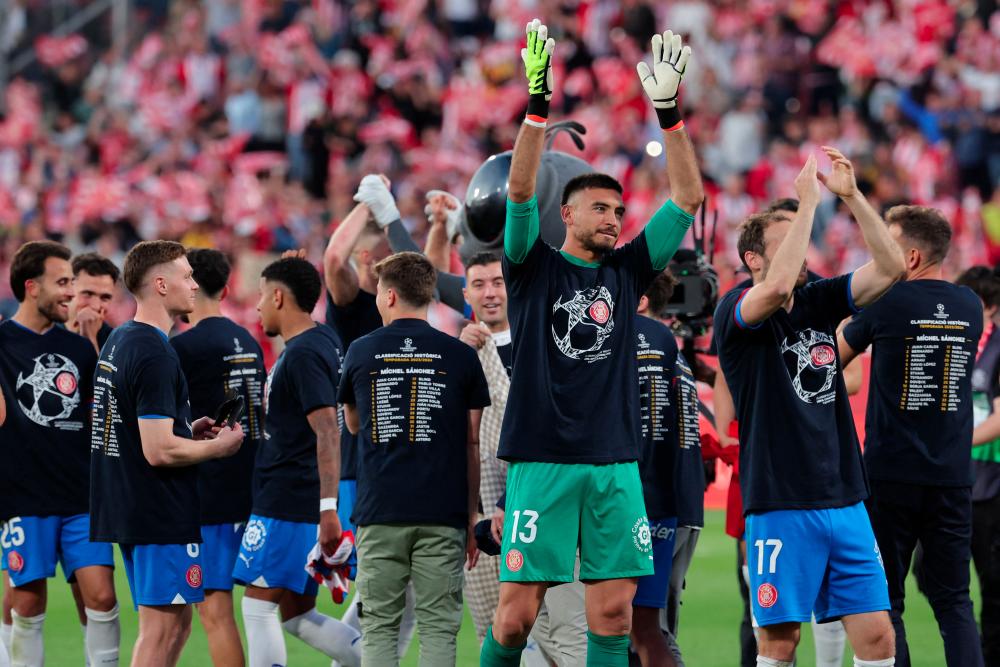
(708, 635)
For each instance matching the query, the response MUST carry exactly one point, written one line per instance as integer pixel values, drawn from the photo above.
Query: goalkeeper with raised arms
(572, 428)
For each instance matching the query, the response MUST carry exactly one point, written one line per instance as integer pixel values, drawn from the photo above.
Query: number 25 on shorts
(773, 565)
(527, 535)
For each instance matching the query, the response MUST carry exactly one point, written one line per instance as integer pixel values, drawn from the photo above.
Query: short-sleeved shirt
(798, 445)
(574, 393)
(103, 334)
(656, 357)
(689, 470)
(358, 318)
(924, 335)
(413, 387)
(48, 382)
(985, 389)
(132, 502)
(303, 379)
(218, 356)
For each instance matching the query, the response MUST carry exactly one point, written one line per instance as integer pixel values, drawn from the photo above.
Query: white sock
(26, 646)
(830, 639)
(772, 662)
(103, 636)
(408, 624)
(86, 657)
(265, 641)
(327, 635)
(351, 618)
(4, 658)
(5, 631)
(885, 662)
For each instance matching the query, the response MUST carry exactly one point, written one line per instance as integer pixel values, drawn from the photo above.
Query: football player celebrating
(94, 280)
(573, 478)
(48, 372)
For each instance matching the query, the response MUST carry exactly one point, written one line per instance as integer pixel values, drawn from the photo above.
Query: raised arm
(886, 267)
(774, 290)
(323, 422)
(670, 224)
(341, 278)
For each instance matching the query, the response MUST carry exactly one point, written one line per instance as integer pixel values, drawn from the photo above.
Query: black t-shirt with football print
(48, 384)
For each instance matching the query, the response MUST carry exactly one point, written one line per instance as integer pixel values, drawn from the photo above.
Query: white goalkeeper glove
(452, 212)
(374, 193)
(670, 59)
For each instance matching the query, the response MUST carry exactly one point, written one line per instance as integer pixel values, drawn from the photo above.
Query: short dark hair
(925, 227)
(95, 265)
(588, 181)
(660, 292)
(411, 275)
(211, 270)
(984, 282)
(29, 263)
(752, 232)
(482, 259)
(789, 204)
(144, 256)
(300, 277)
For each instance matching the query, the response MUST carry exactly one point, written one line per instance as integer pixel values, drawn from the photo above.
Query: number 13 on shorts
(526, 533)
(762, 546)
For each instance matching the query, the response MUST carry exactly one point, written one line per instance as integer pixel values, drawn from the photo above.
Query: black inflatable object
(485, 207)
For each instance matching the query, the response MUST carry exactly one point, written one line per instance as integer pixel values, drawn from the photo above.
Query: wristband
(670, 119)
(538, 111)
(327, 504)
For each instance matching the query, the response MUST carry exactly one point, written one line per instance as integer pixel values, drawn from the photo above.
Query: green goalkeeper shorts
(554, 508)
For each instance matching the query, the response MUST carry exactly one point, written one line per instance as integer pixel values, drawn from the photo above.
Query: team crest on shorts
(15, 562)
(641, 537)
(767, 595)
(254, 535)
(515, 560)
(193, 576)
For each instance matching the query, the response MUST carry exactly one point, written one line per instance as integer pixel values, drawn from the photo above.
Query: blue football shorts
(273, 554)
(651, 590)
(32, 545)
(220, 543)
(821, 561)
(347, 493)
(163, 574)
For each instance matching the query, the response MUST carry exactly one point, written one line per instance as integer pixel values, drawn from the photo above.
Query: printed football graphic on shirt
(51, 392)
(581, 325)
(811, 363)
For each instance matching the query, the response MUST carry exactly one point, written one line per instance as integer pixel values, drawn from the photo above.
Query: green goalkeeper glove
(537, 57)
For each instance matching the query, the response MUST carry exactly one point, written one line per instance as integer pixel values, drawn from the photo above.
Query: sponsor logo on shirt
(940, 314)
(581, 325)
(767, 595)
(51, 392)
(810, 360)
(407, 346)
(237, 347)
(254, 535)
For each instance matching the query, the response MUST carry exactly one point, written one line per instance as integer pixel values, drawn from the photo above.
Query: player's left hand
(471, 549)
(670, 59)
(88, 322)
(295, 254)
(496, 525)
(443, 208)
(840, 181)
(204, 429)
(329, 532)
(374, 193)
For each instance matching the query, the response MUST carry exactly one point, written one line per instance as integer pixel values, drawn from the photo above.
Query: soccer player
(656, 355)
(560, 631)
(572, 428)
(221, 359)
(810, 545)
(924, 334)
(94, 281)
(986, 459)
(414, 395)
(48, 373)
(296, 477)
(144, 490)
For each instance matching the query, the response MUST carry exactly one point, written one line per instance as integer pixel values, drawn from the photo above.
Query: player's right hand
(496, 525)
(537, 57)
(374, 193)
(330, 532)
(475, 335)
(840, 181)
(443, 208)
(89, 322)
(229, 440)
(807, 183)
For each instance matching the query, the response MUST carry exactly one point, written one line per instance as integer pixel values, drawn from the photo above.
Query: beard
(52, 311)
(596, 243)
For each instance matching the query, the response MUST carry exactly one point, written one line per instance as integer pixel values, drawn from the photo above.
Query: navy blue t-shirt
(574, 392)
(104, 333)
(656, 356)
(798, 445)
(689, 470)
(303, 379)
(358, 318)
(48, 382)
(219, 356)
(132, 502)
(924, 335)
(413, 387)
